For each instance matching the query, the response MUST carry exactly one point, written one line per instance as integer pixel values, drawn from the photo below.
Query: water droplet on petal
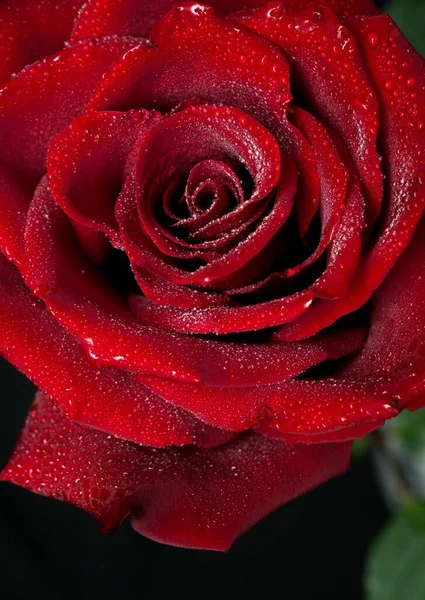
(373, 39)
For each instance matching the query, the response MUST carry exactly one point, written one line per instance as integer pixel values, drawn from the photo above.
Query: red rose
(213, 253)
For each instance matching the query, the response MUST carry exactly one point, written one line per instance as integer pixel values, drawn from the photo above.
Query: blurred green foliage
(396, 565)
(409, 429)
(410, 17)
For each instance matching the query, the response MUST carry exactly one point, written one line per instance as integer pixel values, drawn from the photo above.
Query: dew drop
(373, 39)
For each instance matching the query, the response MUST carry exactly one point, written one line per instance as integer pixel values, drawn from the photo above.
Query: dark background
(313, 547)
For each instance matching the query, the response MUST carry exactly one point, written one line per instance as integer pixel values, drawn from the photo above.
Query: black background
(313, 547)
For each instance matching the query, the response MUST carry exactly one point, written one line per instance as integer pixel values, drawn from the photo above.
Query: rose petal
(143, 252)
(189, 498)
(82, 300)
(106, 399)
(86, 161)
(344, 8)
(196, 134)
(238, 265)
(94, 244)
(85, 305)
(34, 107)
(161, 291)
(199, 56)
(333, 177)
(394, 355)
(401, 89)
(329, 70)
(344, 253)
(355, 432)
(307, 407)
(29, 31)
(308, 194)
(132, 17)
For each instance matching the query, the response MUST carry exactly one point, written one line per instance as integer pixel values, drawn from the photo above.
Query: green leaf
(396, 562)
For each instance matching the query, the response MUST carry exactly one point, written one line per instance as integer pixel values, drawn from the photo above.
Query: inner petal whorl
(203, 177)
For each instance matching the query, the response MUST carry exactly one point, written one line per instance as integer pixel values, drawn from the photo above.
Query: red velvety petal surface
(107, 399)
(43, 98)
(343, 8)
(86, 164)
(333, 176)
(137, 17)
(31, 30)
(195, 57)
(187, 497)
(328, 69)
(34, 107)
(197, 133)
(355, 432)
(394, 355)
(309, 407)
(400, 87)
(221, 319)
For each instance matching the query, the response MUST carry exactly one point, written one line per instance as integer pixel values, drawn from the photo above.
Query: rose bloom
(213, 250)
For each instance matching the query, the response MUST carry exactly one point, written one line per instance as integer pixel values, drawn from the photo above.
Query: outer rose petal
(327, 67)
(106, 399)
(400, 86)
(86, 163)
(44, 98)
(394, 355)
(194, 57)
(189, 498)
(34, 107)
(30, 30)
(137, 17)
(343, 8)
(301, 406)
(355, 432)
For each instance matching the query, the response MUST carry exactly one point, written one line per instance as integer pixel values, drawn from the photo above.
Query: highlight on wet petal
(183, 497)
